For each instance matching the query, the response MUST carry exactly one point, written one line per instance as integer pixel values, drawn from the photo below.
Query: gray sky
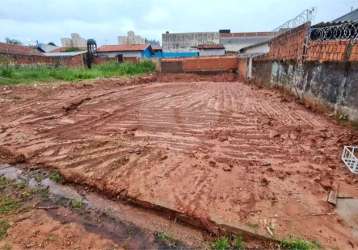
(104, 20)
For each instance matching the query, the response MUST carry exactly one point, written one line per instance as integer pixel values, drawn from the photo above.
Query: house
(211, 49)
(256, 49)
(233, 42)
(248, 53)
(46, 48)
(133, 51)
(12, 49)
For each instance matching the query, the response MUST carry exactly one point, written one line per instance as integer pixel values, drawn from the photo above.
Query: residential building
(131, 39)
(46, 48)
(126, 51)
(188, 41)
(211, 50)
(76, 41)
(232, 42)
(236, 41)
(12, 49)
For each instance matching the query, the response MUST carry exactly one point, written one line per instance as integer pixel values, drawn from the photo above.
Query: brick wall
(200, 64)
(354, 52)
(242, 68)
(327, 51)
(73, 61)
(333, 51)
(289, 45)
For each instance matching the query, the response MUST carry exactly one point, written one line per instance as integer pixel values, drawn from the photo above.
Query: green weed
(76, 204)
(299, 244)
(4, 226)
(8, 205)
(165, 238)
(28, 74)
(56, 177)
(222, 243)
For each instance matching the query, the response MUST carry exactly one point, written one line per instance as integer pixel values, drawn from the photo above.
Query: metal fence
(334, 31)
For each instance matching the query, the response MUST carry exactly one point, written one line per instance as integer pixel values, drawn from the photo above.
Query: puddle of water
(348, 211)
(117, 210)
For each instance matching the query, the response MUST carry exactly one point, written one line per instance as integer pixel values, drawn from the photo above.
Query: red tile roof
(210, 46)
(122, 47)
(12, 49)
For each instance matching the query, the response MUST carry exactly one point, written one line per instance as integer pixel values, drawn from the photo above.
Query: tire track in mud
(198, 148)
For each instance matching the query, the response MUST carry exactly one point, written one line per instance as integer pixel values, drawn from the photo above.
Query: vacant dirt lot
(220, 152)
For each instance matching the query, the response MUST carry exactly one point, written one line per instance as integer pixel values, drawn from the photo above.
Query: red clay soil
(221, 152)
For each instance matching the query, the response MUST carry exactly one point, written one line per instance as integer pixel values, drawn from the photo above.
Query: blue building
(126, 51)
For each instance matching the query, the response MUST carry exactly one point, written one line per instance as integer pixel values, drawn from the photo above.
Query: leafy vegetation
(56, 177)
(238, 243)
(28, 74)
(4, 226)
(76, 204)
(8, 205)
(228, 243)
(12, 41)
(165, 238)
(299, 244)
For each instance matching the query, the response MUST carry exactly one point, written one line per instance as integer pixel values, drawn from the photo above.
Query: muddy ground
(216, 153)
(45, 218)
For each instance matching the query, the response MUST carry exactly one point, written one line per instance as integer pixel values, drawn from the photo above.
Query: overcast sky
(104, 20)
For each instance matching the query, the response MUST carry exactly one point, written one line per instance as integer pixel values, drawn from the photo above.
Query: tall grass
(28, 74)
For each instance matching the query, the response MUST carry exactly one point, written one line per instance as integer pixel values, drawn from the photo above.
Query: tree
(12, 41)
(152, 42)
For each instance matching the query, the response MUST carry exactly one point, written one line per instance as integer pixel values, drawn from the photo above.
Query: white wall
(125, 54)
(263, 48)
(211, 52)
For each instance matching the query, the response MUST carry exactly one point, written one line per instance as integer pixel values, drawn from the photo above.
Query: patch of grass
(76, 204)
(8, 205)
(42, 192)
(238, 243)
(6, 247)
(221, 243)
(55, 176)
(20, 185)
(51, 237)
(4, 226)
(3, 182)
(165, 238)
(28, 74)
(299, 244)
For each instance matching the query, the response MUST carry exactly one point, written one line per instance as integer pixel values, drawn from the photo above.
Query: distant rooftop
(13, 49)
(65, 54)
(210, 46)
(349, 17)
(122, 47)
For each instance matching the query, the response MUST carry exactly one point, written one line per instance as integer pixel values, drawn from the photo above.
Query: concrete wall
(236, 41)
(259, 49)
(186, 41)
(211, 52)
(332, 85)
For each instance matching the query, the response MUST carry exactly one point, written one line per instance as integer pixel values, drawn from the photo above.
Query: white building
(76, 41)
(211, 50)
(131, 38)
